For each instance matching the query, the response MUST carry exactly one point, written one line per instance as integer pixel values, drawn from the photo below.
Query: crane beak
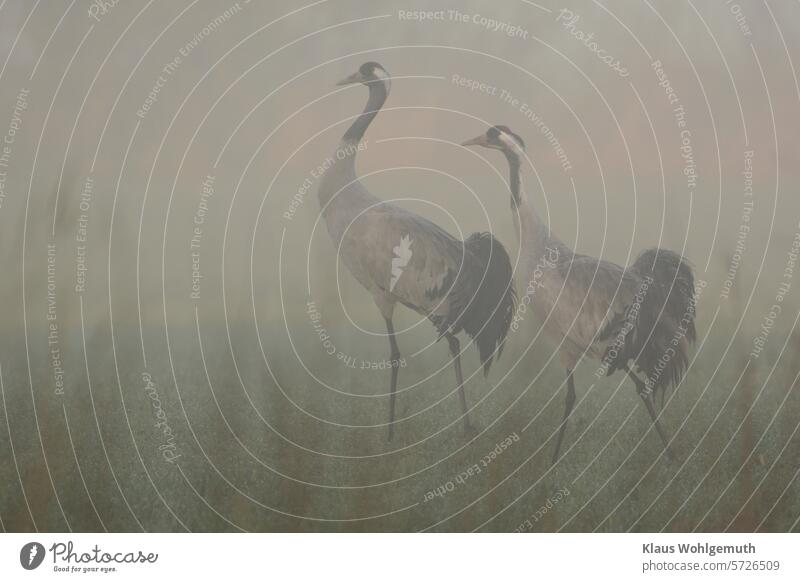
(480, 140)
(356, 77)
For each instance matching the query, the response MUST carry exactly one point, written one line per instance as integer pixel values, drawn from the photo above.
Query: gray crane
(639, 320)
(399, 256)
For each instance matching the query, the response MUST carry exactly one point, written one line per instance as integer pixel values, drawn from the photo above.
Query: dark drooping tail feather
(487, 317)
(663, 327)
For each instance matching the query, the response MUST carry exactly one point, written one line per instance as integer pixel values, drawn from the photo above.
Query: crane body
(401, 257)
(629, 319)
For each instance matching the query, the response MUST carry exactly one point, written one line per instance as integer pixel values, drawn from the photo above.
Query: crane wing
(406, 256)
(595, 297)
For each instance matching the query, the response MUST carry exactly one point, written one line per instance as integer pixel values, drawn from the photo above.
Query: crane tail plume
(488, 315)
(665, 323)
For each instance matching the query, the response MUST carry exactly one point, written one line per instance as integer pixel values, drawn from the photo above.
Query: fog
(162, 241)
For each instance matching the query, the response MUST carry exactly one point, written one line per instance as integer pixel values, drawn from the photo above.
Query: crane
(400, 257)
(639, 320)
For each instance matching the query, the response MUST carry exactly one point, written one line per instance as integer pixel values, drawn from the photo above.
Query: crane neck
(514, 179)
(534, 233)
(377, 97)
(341, 172)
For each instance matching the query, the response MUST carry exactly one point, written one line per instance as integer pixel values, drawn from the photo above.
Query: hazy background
(271, 433)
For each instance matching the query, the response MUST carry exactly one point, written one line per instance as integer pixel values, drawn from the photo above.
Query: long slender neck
(342, 172)
(534, 234)
(514, 179)
(377, 97)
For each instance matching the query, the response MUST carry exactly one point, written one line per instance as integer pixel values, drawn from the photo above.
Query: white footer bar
(401, 557)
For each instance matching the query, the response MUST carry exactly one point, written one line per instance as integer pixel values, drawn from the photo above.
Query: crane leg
(570, 402)
(455, 351)
(647, 397)
(394, 357)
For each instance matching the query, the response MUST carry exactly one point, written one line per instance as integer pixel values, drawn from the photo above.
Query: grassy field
(259, 447)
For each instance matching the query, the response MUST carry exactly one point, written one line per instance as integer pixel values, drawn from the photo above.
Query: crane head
(367, 73)
(498, 137)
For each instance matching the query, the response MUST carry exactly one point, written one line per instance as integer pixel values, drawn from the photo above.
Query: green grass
(260, 473)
